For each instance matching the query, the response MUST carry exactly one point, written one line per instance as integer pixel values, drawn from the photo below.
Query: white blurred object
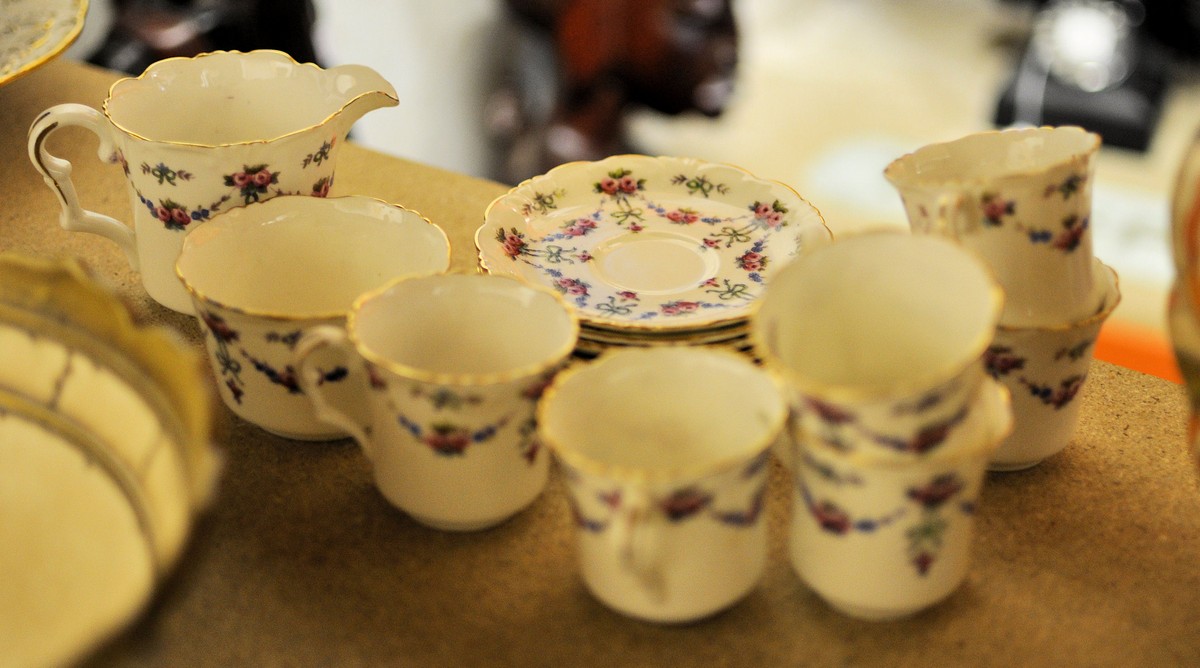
(442, 63)
(1086, 43)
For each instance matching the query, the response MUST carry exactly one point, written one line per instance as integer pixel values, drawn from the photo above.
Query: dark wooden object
(672, 56)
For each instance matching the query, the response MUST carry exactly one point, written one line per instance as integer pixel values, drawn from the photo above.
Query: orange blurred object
(1138, 347)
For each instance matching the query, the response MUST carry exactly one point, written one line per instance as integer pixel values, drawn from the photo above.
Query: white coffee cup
(452, 366)
(665, 452)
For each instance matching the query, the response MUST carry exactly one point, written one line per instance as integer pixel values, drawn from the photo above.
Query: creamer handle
(57, 173)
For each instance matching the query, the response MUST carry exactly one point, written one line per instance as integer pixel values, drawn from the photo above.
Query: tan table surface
(1092, 558)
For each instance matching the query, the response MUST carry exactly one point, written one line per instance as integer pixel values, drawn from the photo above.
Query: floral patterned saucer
(34, 32)
(641, 244)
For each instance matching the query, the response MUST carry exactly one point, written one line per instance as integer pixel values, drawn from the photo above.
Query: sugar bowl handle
(334, 339)
(57, 173)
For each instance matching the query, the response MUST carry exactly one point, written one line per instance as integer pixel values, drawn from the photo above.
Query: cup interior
(297, 256)
(464, 326)
(663, 410)
(879, 310)
(225, 98)
(987, 156)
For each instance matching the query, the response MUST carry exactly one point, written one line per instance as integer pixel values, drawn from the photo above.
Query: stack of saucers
(650, 251)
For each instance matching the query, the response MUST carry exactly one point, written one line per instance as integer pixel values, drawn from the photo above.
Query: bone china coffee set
(888, 359)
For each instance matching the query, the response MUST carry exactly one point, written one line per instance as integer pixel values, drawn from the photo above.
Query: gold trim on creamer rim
(275, 53)
(742, 173)
(560, 355)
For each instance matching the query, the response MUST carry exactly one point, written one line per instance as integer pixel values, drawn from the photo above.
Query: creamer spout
(364, 90)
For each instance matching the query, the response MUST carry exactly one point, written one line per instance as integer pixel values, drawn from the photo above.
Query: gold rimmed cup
(880, 337)
(1021, 199)
(452, 367)
(262, 275)
(665, 453)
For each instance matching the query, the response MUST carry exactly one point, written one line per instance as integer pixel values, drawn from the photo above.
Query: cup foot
(659, 614)
(461, 526)
(293, 436)
(873, 614)
(1009, 467)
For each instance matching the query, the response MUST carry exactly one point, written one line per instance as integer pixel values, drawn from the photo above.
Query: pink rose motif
(774, 219)
(995, 208)
(762, 210)
(751, 261)
(711, 243)
(162, 213)
(636, 228)
(180, 216)
(321, 189)
(682, 217)
(627, 294)
(628, 184)
(938, 491)
(513, 245)
(679, 307)
(572, 286)
(831, 518)
(262, 178)
(448, 441)
(580, 227)
(241, 179)
(609, 185)
(829, 413)
(684, 503)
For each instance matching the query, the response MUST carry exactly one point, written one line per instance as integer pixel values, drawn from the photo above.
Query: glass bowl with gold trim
(106, 459)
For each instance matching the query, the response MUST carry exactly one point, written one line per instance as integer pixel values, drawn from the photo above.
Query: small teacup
(665, 454)
(880, 536)
(1045, 368)
(203, 135)
(262, 275)
(454, 365)
(880, 338)
(1022, 199)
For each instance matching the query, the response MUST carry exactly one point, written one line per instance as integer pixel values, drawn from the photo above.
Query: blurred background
(819, 94)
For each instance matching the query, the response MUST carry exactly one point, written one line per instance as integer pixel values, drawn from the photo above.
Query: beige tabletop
(1091, 558)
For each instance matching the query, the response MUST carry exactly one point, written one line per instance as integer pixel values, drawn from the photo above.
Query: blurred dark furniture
(148, 30)
(1161, 37)
(578, 66)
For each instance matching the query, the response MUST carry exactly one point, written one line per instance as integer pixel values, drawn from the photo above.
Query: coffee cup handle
(319, 338)
(637, 529)
(57, 173)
